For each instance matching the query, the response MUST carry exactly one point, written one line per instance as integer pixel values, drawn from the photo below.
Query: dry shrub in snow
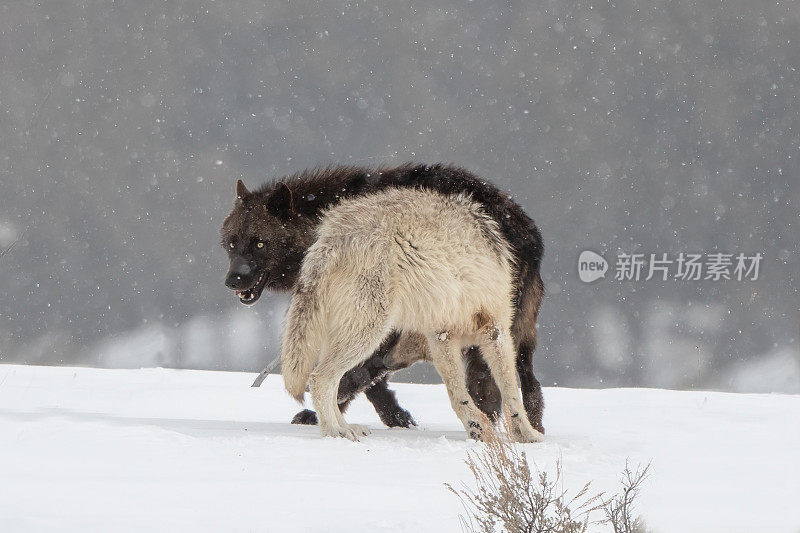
(510, 497)
(619, 509)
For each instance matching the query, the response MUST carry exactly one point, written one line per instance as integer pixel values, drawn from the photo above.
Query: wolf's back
(433, 253)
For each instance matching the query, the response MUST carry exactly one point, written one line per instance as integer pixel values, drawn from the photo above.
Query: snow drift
(153, 449)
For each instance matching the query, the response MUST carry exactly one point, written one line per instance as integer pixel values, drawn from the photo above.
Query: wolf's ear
(241, 191)
(281, 200)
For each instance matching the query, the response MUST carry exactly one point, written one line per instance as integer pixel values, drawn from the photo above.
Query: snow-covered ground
(175, 450)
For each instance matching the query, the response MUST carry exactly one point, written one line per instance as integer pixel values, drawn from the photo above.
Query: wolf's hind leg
(351, 343)
(497, 347)
(524, 332)
(532, 396)
(446, 357)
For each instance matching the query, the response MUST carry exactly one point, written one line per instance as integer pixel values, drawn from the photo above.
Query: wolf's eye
(260, 244)
(231, 245)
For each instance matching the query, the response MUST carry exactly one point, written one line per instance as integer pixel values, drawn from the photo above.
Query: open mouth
(249, 296)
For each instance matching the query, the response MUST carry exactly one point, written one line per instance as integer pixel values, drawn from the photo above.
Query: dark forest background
(628, 126)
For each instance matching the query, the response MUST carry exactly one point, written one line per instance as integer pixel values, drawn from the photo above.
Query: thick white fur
(413, 261)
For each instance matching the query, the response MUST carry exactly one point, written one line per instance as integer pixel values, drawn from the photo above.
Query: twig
(264, 373)
(10, 247)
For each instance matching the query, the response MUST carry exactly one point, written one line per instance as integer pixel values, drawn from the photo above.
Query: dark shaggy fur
(269, 229)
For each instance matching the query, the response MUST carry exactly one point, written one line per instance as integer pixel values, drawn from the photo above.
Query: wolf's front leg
(481, 385)
(378, 367)
(346, 394)
(381, 397)
(324, 385)
(369, 377)
(385, 403)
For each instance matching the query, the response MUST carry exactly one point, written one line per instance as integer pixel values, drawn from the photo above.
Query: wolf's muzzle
(237, 282)
(240, 275)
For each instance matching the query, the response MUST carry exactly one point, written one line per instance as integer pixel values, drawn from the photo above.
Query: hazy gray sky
(624, 127)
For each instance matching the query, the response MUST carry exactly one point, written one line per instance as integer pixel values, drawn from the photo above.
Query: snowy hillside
(143, 450)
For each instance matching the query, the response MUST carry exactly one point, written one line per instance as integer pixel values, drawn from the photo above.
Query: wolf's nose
(234, 281)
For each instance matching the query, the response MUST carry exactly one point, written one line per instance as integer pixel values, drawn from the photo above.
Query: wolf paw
(399, 419)
(524, 433)
(306, 417)
(350, 431)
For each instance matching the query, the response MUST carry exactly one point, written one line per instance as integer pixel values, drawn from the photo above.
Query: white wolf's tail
(302, 339)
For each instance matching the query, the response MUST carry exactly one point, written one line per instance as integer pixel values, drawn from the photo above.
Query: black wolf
(270, 229)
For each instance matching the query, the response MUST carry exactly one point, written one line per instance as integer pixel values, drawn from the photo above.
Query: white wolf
(406, 260)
